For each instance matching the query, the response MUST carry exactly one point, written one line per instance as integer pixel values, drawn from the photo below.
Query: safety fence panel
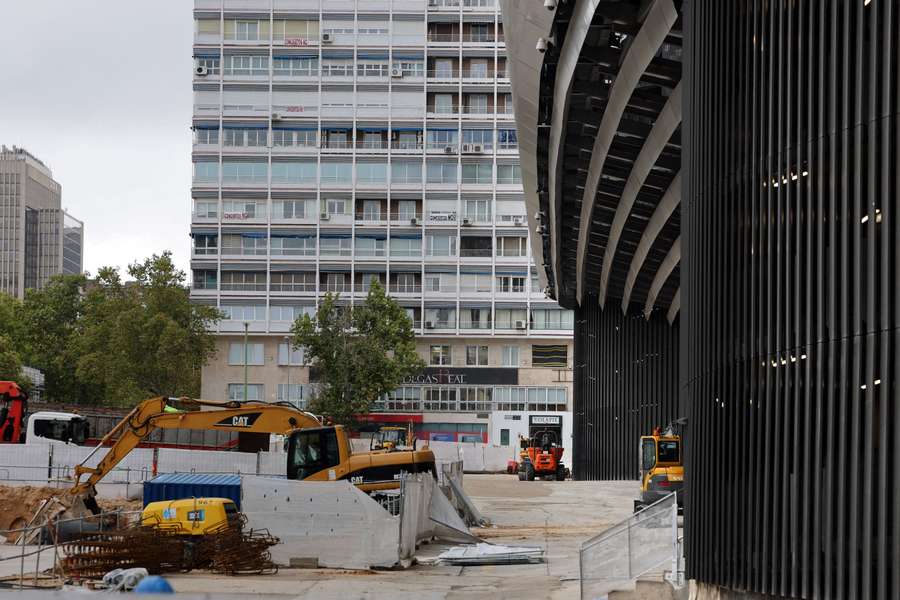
(629, 549)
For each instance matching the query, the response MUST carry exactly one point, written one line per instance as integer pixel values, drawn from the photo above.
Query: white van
(48, 427)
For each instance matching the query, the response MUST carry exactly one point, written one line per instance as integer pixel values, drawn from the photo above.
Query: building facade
(38, 239)
(342, 142)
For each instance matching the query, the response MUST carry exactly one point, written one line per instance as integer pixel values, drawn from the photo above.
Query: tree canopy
(105, 341)
(358, 353)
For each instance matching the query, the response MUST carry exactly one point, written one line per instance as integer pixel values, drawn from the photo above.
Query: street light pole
(246, 327)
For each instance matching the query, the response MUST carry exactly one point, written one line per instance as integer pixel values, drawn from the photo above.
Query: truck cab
(58, 428)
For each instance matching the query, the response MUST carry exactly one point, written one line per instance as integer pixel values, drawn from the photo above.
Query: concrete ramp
(332, 524)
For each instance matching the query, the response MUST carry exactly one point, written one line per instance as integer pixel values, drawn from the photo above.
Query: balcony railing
(442, 110)
(401, 145)
(448, 38)
(405, 288)
(293, 287)
(475, 253)
(370, 217)
(476, 74)
(205, 251)
(243, 287)
(241, 251)
(372, 145)
(411, 218)
(439, 323)
(337, 287)
(467, 324)
(479, 38)
(371, 253)
(443, 74)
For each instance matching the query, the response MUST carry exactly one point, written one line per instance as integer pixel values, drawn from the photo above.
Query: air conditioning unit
(449, 149)
(429, 324)
(201, 71)
(517, 220)
(466, 221)
(477, 149)
(324, 217)
(277, 116)
(414, 221)
(520, 324)
(467, 148)
(327, 38)
(396, 73)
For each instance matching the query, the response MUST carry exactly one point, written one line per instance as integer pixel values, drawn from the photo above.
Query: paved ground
(557, 516)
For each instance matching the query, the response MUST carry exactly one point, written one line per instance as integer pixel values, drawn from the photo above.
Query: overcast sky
(100, 90)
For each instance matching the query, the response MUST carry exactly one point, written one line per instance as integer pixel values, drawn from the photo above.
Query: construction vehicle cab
(662, 469)
(48, 427)
(191, 516)
(13, 408)
(391, 437)
(542, 457)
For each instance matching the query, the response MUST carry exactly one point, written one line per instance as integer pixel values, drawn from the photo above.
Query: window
(288, 356)
(205, 279)
(295, 32)
(405, 171)
(477, 356)
(509, 174)
(336, 206)
(244, 137)
(507, 139)
(206, 172)
(438, 139)
(441, 172)
(243, 313)
(404, 399)
(371, 69)
(337, 172)
(478, 210)
(371, 210)
(440, 355)
(293, 209)
(475, 399)
(484, 137)
(441, 245)
(244, 30)
(244, 281)
(244, 172)
(255, 391)
(443, 104)
(512, 246)
(337, 68)
(554, 355)
(206, 209)
(295, 67)
(444, 67)
(440, 399)
(552, 319)
(410, 68)
(440, 282)
(479, 246)
(370, 246)
(405, 283)
(293, 245)
(292, 393)
(406, 210)
(481, 32)
(510, 318)
(475, 318)
(296, 281)
(211, 63)
(244, 244)
(242, 209)
(504, 437)
(406, 246)
(247, 66)
(336, 246)
(294, 172)
(510, 284)
(206, 243)
(371, 172)
(478, 68)
(475, 282)
(440, 318)
(337, 282)
(510, 356)
(300, 137)
(289, 314)
(254, 353)
(312, 451)
(477, 104)
(478, 173)
(208, 26)
(206, 136)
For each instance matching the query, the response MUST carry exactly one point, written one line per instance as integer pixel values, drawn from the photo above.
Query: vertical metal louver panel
(626, 383)
(789, 296)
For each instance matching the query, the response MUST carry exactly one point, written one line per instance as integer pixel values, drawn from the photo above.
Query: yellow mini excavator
(315, 452)
(662, 469)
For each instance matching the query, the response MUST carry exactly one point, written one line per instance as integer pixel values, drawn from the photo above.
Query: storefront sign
(545, 420)
(464, 376)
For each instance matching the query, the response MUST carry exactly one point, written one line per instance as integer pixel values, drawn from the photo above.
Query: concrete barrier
(331, 522)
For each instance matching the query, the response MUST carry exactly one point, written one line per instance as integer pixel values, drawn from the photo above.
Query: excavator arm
(185, 413)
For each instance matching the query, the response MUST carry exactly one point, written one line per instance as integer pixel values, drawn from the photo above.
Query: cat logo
(356, 479)
(239, 421)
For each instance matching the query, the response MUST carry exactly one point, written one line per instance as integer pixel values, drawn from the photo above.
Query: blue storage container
(176, 486)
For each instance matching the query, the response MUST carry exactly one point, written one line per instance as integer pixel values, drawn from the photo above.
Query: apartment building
(342, 142)
(38, 239)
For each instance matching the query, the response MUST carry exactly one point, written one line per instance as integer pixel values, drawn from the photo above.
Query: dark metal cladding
(626, 383)
(790, 341)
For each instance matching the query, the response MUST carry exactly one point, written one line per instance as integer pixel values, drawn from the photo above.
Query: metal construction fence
(641, 543)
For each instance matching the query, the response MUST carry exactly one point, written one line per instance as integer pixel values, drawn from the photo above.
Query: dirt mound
(21, 502)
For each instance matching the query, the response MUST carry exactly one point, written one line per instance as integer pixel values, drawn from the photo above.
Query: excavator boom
(187, 413)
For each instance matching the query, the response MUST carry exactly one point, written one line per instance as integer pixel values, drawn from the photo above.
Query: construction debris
(230, 550)
(491, 554)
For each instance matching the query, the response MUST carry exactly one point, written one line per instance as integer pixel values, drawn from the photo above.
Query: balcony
(413, 219)
(448, 75)
(440, 323)
(444, 38)
(467, 324)
(243, 287)
(410, 146)
(337, 287)
(477, 76)
(442, 217)
(304, 287)
(405, 288)
(371, 218)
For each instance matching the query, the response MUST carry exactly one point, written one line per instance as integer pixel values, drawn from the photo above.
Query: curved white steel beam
(653, 32)
(570, 52)
(656, 141)
(662, 274)
(667, 205)
(675, 306)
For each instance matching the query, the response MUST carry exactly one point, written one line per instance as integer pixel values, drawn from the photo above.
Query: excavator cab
(662, 467)
(391, 437)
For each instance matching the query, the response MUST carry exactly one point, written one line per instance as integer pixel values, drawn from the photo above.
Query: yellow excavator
(315, 452)
(662, 466)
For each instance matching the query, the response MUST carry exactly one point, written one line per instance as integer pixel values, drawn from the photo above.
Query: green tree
(144, 337)
(359, 353)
